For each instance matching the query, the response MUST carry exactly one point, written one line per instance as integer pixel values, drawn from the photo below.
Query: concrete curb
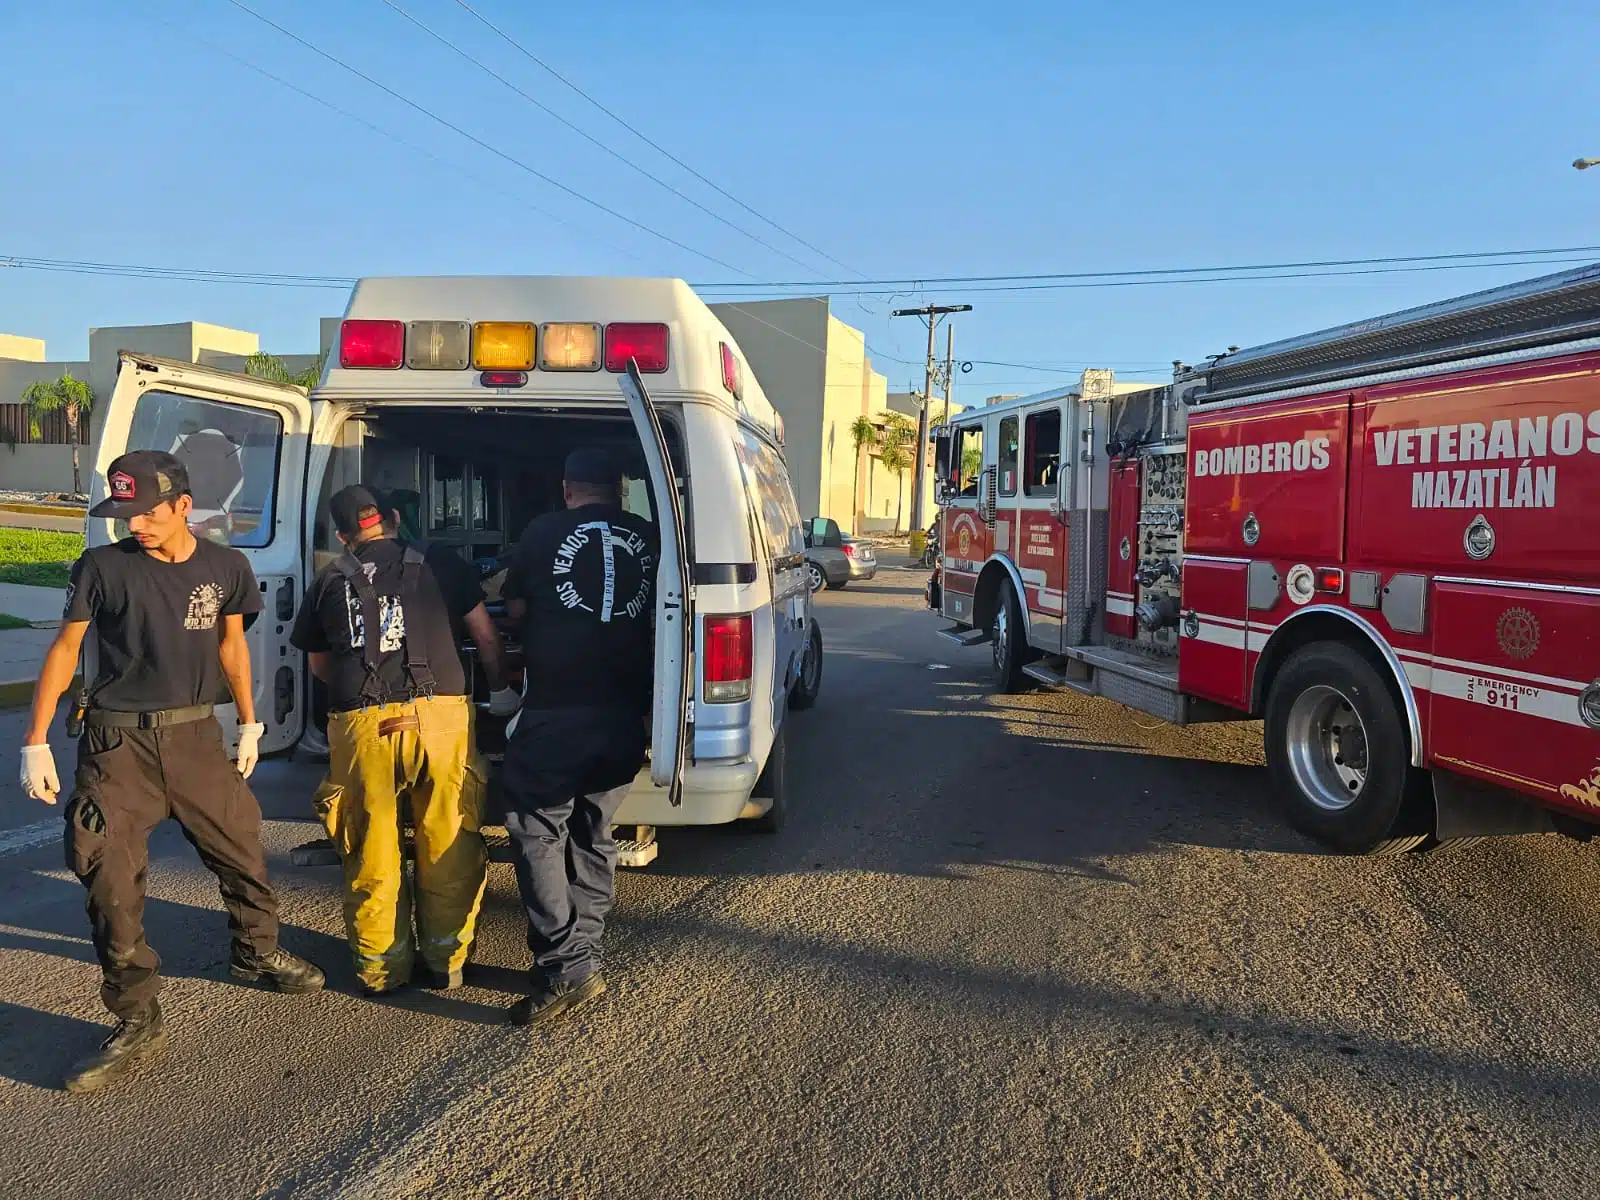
(44, 510)
(19, 693)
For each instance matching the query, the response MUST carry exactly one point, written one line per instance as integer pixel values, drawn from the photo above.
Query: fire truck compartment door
(1212, 659)
(1122, 550)
(1269, 482)
(1505, 682)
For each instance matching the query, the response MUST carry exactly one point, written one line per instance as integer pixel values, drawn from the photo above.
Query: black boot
(136, 1039)
(551, 1000)
(280, 970)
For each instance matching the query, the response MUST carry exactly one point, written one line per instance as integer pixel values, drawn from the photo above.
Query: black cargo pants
(129, 781)
(565, 774)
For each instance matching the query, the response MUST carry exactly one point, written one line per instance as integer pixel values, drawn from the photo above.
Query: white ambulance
(463, 396)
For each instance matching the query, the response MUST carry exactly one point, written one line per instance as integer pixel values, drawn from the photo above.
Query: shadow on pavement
(37, 1048)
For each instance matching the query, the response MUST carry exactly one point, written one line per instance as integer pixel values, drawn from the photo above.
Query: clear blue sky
(903, 139)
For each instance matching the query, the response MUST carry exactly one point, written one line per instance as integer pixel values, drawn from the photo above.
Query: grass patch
(38, 557)
(7, 621)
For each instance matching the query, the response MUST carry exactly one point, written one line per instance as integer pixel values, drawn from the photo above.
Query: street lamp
(1583, 164)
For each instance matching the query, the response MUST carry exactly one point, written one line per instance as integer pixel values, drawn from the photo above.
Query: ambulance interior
(473, 480)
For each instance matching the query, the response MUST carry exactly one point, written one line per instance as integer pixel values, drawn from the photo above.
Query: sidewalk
(37, 605)
(22, 650)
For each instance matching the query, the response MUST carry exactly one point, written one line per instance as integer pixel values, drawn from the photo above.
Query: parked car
(834, 559)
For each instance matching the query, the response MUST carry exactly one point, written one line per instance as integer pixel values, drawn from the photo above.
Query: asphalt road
(1006, 947)
(19, 520)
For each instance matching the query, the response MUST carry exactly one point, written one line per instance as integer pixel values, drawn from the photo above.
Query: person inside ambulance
(169, 612)
(381, 626)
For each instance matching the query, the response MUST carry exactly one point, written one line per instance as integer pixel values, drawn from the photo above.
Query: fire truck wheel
(806, 687)
(1007, 638)
(1336, 748)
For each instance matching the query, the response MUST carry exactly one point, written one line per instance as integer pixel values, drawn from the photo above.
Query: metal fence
(17, 421)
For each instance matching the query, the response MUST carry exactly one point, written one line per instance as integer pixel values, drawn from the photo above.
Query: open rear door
(673, 718)
(244, 442)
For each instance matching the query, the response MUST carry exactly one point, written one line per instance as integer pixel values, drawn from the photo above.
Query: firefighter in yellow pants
(382, 625)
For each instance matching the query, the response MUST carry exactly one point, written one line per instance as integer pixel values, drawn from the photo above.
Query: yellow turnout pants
(422, 748)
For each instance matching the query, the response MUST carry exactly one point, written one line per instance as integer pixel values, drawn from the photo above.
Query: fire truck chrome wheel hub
(1327, 748)
(1002, 635)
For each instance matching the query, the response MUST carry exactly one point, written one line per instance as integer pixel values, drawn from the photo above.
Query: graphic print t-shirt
(588, 578)
(159, 624)
(331, 621)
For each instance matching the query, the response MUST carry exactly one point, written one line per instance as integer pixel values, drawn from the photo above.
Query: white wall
(42, 468)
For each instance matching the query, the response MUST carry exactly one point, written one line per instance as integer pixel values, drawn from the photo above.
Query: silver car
(834, 559)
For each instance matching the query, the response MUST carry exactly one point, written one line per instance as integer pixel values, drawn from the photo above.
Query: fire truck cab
(1382, 540)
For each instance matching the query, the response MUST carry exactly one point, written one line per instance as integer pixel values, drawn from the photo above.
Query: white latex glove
(250, 747)
(504, 702)
(39, 778)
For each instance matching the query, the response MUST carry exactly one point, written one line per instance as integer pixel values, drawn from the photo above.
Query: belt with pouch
(107, 718)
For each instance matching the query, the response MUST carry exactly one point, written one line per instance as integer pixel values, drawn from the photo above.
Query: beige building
(815, 370)
(46, 466)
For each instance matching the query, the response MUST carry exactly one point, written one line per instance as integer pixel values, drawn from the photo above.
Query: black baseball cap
(592, 465)
(354, 509)
(140, 480)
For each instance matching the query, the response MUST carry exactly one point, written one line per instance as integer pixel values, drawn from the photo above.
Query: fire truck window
(1044, 452)
(1008, 457)
(968, 459)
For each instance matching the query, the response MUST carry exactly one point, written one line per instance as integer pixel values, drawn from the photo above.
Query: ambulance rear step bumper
(637, 851)
(961, 635)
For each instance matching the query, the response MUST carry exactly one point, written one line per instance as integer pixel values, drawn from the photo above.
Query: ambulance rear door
(244, 442)
(672, 718)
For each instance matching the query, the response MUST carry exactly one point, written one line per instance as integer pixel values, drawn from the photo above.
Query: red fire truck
(1382, 539)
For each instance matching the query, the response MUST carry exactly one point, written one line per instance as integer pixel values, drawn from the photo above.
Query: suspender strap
(372, 687)
(412, 564)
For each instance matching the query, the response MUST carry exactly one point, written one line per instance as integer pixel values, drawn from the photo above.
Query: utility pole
(949, 367)
(931, 314)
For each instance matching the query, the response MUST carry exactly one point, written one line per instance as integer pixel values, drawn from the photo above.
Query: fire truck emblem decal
(1517, 631)
(1586, 791)
(1125, 549)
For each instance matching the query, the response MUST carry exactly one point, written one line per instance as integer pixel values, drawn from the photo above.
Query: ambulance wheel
(774, 784)
(1337, 753)
(1008, 641)
(809, 684)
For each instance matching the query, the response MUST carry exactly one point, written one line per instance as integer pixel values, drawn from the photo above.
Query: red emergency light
(728, 648)
(646, 344)
(730, 372)
(503, 379)
(372, 345)
(1330, 580)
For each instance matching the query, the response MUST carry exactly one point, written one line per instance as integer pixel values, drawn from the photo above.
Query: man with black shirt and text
(168, 611)
(383, 626)
(582, 581)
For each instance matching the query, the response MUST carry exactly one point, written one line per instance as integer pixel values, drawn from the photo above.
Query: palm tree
(895, 455)
(271, 368)
(68, 395)
(863, 433)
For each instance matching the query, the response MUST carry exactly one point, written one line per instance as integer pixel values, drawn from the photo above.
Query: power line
(964, 280)
(395, 138)
(432, 116)
(657, 147)
(611, 150)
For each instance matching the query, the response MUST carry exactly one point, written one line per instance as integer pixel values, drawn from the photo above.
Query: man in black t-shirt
(582, 581)
(382, 627)
(168, 611)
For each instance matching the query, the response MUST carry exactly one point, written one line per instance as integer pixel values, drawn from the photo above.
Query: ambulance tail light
(646, 344)
(372, 345)
(728, 651)
(503, 346)
(1330, 580)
